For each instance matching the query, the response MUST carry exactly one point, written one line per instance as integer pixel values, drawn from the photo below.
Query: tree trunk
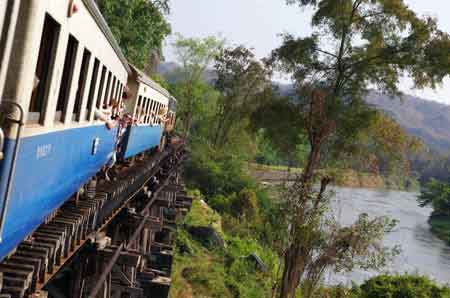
(294, 257)
(294, 266)
(187, 125)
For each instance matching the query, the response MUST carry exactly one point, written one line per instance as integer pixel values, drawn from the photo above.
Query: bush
(216, 173)
(405, 286)
(221, 203)
(245, 204)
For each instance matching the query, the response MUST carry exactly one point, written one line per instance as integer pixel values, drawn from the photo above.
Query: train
(71, 107)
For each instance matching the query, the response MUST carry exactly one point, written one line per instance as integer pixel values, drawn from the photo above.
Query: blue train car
(66, 67)
(149, 104)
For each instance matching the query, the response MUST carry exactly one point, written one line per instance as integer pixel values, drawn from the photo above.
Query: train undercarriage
(114, 240)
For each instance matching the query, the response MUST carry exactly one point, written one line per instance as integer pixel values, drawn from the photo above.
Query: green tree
(140, 27)
(382, 147)
(437, 195)
(355, 44)
(279, 120)
(401, 287)
(244, 84)
(194, 94)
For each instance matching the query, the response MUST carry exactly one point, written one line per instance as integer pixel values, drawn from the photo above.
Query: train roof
(143, 78)
(93, 9)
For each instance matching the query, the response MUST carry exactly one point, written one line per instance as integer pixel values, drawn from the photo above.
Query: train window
(113, 91)
(153, 111)
(100, 90)
(64, 88)
(147, 111)
(143, 105)
(143, 114)
(81, 85)
(42, 79)
(107, 91)
(138, 109)
(121, 92)
(94, 77)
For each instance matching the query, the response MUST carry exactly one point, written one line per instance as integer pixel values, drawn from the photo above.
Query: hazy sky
(258, 23)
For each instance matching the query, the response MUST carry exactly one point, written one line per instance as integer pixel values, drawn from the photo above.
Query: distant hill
(169, 70)
(425, 119)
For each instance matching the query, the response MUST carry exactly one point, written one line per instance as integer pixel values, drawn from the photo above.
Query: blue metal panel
(142, 138)
(50, 168)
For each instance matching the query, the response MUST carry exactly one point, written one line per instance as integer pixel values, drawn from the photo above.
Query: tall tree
(243, 82)
(140, 27)
(195, 57)
(356, 44)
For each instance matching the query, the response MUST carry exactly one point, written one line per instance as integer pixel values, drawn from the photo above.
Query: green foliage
(196, 98)
(161, 81)
(196, 102)
(281, 124)
(214, 172)
(440, 225)
(227, 272)
(436, 194)
(244, 84)
(203, 216)
(139, 27)
(405, 286)
(383, 147)
(267, 153)
(245, 204)
(221, 203)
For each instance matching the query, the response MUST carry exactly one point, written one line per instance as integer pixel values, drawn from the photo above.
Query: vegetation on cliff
(437, 195)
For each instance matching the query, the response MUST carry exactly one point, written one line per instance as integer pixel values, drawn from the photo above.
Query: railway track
(93, 220)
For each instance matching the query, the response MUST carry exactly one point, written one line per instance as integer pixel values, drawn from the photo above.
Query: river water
(422, 252)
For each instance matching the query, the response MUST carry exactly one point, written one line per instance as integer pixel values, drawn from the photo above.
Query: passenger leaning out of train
(163, 117)
(105, 115)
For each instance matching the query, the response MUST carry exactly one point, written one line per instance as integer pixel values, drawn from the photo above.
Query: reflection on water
(422, 252)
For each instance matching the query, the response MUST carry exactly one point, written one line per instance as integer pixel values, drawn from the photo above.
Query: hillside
(428, 120)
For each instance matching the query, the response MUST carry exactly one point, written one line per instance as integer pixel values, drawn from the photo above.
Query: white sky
(258, 23)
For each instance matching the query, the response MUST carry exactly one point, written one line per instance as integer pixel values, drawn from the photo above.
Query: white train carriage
(65, 65)
(148, 103)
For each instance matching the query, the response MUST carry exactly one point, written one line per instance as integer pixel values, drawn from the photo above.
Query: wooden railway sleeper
(50, 252)
(39, 253)
(84, 218)
(23, 272)
(75, 225)
(14, 292)
(65, 229)
(56, 241)
(36, 263)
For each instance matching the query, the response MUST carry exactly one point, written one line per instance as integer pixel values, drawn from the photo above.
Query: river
(422, 252)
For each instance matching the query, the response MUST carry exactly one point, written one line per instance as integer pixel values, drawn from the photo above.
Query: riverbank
(440, 226)
(342, 178)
